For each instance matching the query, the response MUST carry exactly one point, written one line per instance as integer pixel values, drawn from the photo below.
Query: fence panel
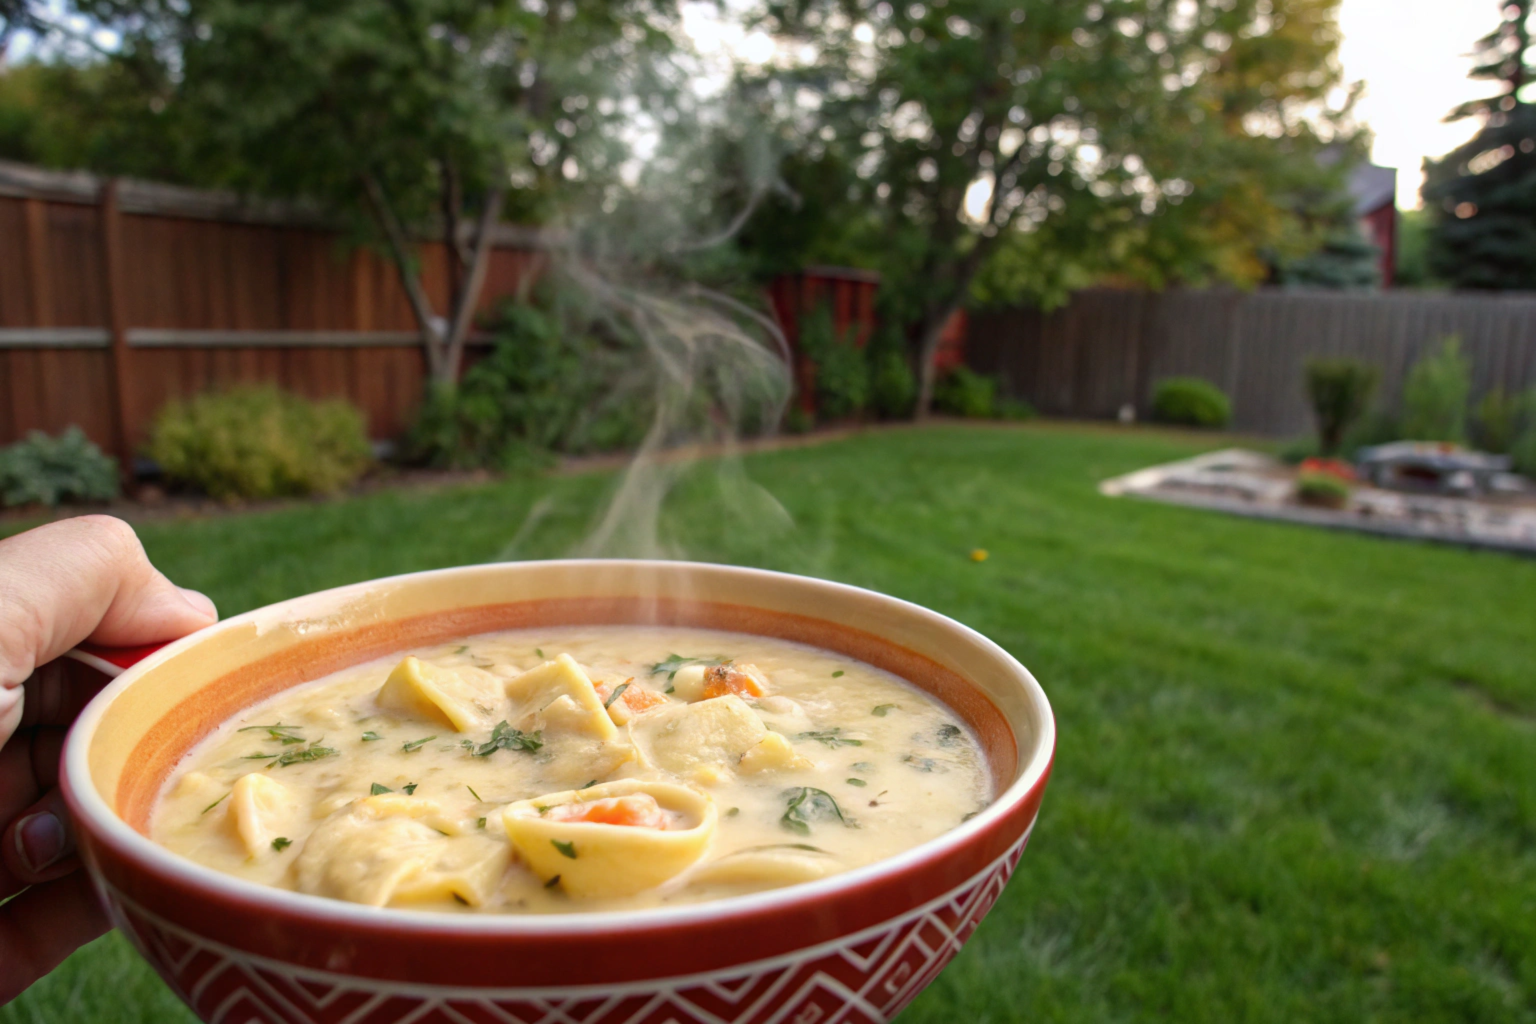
(1106, 347)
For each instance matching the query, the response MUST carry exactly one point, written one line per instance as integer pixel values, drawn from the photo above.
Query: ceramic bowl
(855, 947)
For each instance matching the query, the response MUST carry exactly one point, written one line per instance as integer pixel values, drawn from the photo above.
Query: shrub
(1340, 391)
(1523, 452)
(552, 382)
(1376, 427)
(1500, 418)
(1322, 489)
(1435, 396)
(43, 470)
(260, 442)
(1297, 450)
(1190, 402)
(1009, 408)
(842, 370)
(893, 387)
(964, 392)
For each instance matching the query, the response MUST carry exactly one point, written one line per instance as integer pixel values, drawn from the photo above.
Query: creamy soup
(577, 768)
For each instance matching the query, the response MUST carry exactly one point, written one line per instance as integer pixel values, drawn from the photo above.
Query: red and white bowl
(856, 947)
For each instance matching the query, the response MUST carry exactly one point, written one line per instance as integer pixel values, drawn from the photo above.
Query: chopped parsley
(552, 882)
(284, 734)
(313, 752)
(618, 691)
(838, 674)
(409, 789)
(370, 736)
(415, 745)
(378, 789)
(674, 662)
(539, 651)
(281, 843)
(733, 812)
(462, 649)
(923, 764)
(861, 766)
(567, 849)
(472, 792)
(479, 823)
(856, 782)
(949, 735)
(590, 784)
(504, 737)
(211, 806)
(831, 737)
(806, 805)
(881, 710)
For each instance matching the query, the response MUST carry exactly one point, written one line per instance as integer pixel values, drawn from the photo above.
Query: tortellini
(263, 810)
(595, 859)
(392, 848)
(466, 699)
(776, 864)
(695, 741)
(559, 696)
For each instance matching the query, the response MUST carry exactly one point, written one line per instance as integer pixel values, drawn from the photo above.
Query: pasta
(574, 769)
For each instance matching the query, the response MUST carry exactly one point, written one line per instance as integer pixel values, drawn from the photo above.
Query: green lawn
(1296, 777)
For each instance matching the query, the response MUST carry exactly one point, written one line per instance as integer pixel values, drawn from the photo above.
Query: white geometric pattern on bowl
(864, 978)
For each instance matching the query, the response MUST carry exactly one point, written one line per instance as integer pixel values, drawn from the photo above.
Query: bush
(842, 371)
(964, 392)
(1340, 391)
(1009, 408)
(893, 387)
(260, 442)
(1376, 427)
(1501, 418)
(551, 383)
(1435, 396)
(1322, 489)
(1298, 450)
(1523, 452)
(1190, 402)
(43, 470)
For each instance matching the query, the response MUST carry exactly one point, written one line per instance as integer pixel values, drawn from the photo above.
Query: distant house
(1374, 190)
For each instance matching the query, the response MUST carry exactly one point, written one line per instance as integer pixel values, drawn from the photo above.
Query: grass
(1296, 776)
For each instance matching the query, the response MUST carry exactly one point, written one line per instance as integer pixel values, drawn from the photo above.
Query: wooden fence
(1107, 348)
(118, 295)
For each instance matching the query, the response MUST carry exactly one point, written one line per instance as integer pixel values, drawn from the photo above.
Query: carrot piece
(638, 810)
(720, 680)
(638, 699)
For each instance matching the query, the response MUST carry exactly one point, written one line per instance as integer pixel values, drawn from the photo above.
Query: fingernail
(40, 840)
(200, 602)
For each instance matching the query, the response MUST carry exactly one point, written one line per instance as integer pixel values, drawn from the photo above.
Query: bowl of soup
(583, 791)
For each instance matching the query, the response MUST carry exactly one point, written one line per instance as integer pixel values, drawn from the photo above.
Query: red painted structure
(847, 291)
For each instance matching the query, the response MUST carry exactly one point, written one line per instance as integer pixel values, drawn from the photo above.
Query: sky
(1413, 57)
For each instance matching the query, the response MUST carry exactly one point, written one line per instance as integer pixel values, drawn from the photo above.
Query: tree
(1483, 193)
(404, 113)
(1064, 138)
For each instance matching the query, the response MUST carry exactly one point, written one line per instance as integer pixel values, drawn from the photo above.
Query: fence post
(39, 279)
(119, 355)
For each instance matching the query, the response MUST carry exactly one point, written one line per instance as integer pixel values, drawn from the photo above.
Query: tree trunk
(469, 294)
(928, 350)
(401, 253)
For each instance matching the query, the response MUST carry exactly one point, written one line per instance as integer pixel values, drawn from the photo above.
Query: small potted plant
(1322, 489)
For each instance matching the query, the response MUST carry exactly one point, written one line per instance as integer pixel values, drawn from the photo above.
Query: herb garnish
(949, 735)
(807, 805)
(462, 649)
(370, 736)
(409, 789)
(881, 710)
(733, 812)
(590, 784)
(504, 737)
(211, 806)
(677, 661)
(472, 792)
(831, 737)
(856, 782)
(415, 745)
(540, 652)
(618, 691)
(313, 752)
(923, 764)
(284, 734)
(378, 789)
(838, 674)
(552, 882)
(567, 849)
(281, 843)
(479, 823)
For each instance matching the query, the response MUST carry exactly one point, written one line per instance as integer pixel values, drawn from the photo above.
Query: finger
(58, 691)
(42, 926)
(39, 845)
(82, 578)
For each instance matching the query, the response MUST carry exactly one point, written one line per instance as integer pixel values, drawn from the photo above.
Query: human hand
(61, 584)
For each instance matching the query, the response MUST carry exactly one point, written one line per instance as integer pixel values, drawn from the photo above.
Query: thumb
(79, 579)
